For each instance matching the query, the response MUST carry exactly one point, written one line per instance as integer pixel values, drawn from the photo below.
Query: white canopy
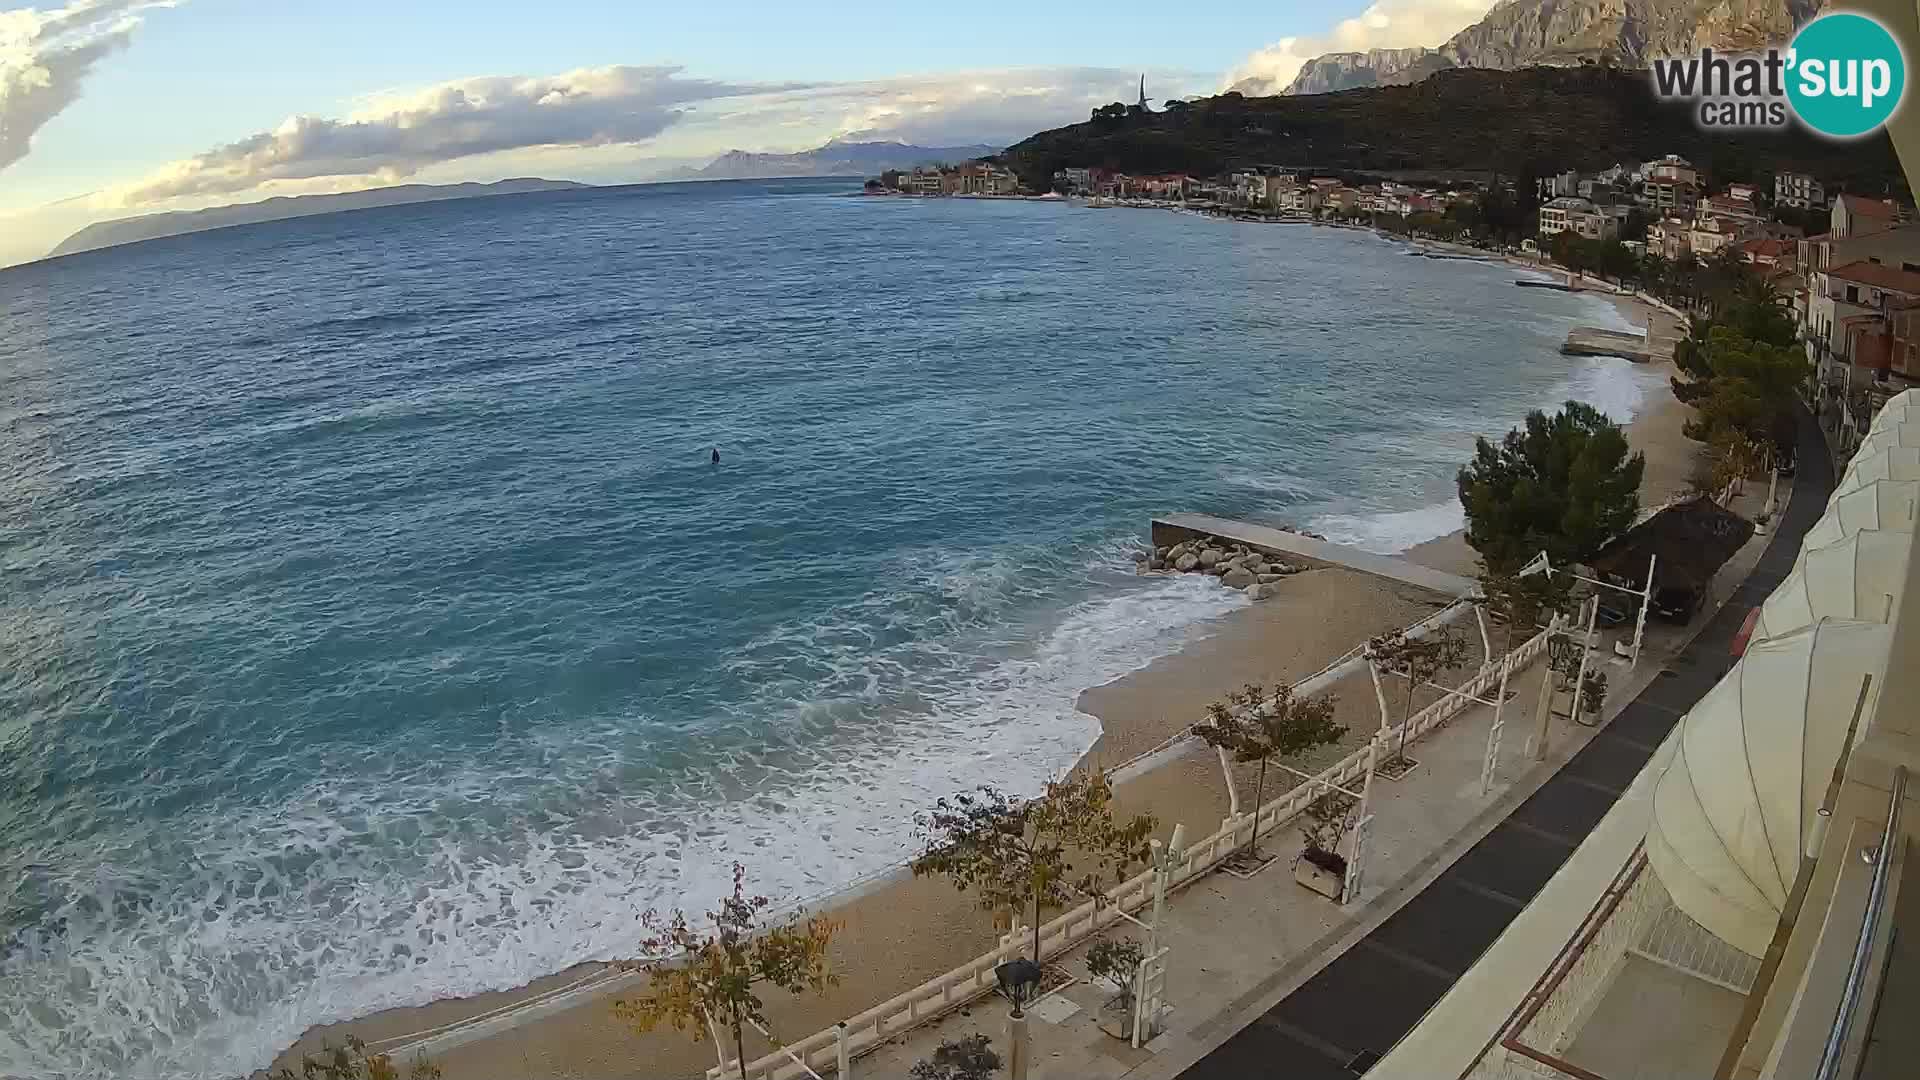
(1860, 577)
(1748, 767)
(1888, 463)
(1899, 408)
(1882, 504)
(1896, 433)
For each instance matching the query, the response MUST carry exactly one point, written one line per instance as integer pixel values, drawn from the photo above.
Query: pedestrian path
(1347, 1016)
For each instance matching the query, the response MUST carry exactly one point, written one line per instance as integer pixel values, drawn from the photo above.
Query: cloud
(394, 136)
(1387, 24)
(595, 122)
(985, 106)
(45, 55)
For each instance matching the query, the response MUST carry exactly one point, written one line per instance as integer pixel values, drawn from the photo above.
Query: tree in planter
(1114, 963)
(1047, 851)
(717, 969)
(1565, 663)
(1564, 484)
(968, 1058)
(1256, 725)
(1419, 661)
(1327, 820)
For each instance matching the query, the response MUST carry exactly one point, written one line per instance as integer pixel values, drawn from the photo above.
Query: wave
(350, 898)
(1616, 387)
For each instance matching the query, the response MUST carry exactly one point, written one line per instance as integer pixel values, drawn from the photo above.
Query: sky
(110, 108)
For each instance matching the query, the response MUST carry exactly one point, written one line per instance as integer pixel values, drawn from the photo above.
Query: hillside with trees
(1531, 122)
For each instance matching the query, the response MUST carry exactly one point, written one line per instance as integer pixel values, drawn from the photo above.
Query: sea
(376, 627)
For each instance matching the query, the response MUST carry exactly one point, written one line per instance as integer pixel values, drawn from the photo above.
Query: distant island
(833, 159)
(128, 230)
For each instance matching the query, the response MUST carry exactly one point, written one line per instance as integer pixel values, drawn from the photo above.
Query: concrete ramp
(1173, 528)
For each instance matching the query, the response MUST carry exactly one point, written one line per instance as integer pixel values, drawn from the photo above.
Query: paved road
(1340, 1021)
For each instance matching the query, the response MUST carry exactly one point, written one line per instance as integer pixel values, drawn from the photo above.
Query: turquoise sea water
(374, 628)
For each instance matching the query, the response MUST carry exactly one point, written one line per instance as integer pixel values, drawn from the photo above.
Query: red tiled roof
(1874, 208)
(1878, 275)
(1766, 246)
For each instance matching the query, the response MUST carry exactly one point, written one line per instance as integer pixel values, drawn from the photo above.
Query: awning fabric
(1882, 504)
(1861, 577)
(1890, 463)
(1747, 769)
(1899, 409)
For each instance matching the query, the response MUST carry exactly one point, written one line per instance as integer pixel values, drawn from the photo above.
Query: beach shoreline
(1315, 617)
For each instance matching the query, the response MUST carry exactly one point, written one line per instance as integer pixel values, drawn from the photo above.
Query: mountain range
(833, 159)
(1523, 33)
(129, 230)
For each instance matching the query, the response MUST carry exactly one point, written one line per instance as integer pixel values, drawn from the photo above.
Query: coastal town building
(1857, 215)
(1580, 216)
(1798, 190)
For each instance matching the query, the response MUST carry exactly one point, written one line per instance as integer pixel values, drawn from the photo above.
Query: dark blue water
(373, 626)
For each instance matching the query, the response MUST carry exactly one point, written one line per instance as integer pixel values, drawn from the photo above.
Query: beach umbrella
(1860, 577)
(1888, 463)
(1882, 504)
(1746, 773)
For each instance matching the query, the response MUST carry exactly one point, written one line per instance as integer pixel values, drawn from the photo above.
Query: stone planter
(1322, 871)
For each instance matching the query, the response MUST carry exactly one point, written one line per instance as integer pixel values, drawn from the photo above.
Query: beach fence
(825, 1050)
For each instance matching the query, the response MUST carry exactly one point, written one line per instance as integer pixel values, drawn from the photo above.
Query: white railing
(937, 996)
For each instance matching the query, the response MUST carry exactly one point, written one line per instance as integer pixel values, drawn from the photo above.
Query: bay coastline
(886, 947)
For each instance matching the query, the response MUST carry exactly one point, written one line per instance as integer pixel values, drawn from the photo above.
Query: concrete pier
(1593, 341)
(1293, 547)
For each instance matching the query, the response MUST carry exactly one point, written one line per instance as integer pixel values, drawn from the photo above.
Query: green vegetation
(967, 1058)
(1259, 725)
(1564, 484)
(1113, 963)
(1466, 123)
(1743, 369)
(1417, 661)
(352, 1062)
(1049, 851)
(713, 973)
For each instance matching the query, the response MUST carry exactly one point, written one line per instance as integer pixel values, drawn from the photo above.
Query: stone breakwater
(1236, 565)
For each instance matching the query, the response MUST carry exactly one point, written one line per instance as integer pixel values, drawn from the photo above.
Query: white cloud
(45, 55)
(597, 121)
(1387, 24)
(395, 136)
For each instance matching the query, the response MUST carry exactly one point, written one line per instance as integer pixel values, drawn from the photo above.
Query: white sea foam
(1616, 387)
(346, 899)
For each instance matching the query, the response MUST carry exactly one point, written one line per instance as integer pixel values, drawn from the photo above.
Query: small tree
(1522, 601)
(1326, 821)
(1564, 484)
(1114, 963)
(1419, 661)
(969, 1058)
(717, 969)
(1043, 852)
(1565, 663)
(1258, 725)
(352, 1062)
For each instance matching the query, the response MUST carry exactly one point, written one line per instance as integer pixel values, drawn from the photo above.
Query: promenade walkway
(1173, 528)
(1267, 979)
(1354, 1010)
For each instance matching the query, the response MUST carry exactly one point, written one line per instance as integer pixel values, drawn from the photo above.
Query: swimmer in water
(716, 455)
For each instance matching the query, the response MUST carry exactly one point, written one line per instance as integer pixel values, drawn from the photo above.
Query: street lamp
(1019, 981)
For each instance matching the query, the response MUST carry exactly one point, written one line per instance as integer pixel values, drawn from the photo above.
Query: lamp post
(1019, 981)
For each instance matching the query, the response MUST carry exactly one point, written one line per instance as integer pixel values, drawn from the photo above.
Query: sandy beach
(900, 931)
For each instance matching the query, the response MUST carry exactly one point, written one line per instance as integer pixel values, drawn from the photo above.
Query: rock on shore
(1236, 565)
